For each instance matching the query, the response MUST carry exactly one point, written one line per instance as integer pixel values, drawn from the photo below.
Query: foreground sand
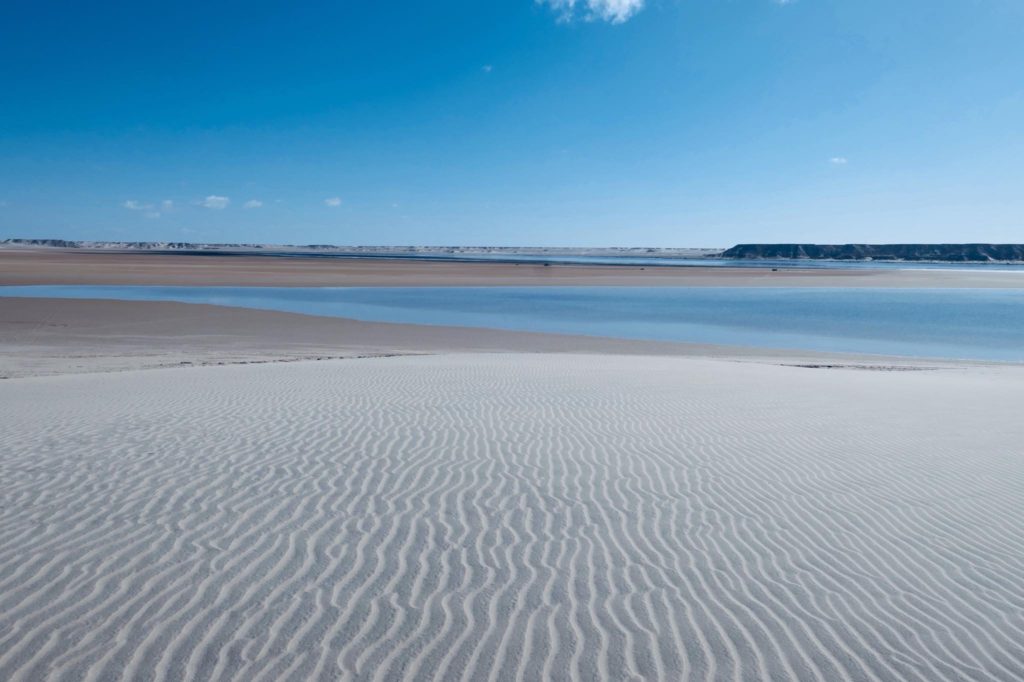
(513, 516)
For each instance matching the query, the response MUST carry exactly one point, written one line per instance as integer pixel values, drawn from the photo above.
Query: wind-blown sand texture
(513, 517)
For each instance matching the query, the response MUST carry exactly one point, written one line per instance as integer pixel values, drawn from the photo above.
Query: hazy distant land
(396, 251)
(940, 253)
(31, 265)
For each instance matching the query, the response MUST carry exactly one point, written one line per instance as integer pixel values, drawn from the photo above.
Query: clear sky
(514, 122)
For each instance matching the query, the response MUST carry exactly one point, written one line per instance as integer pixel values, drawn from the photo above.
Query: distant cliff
(952, 253)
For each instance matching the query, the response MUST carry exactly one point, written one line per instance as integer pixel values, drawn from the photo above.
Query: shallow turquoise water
(942, 323)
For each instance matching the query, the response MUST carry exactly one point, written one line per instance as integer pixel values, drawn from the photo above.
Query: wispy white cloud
(167, 205)
(215, 202)
(839, 161)
(253, 203)
(613, 11)
(333, 202)
(148, 210)
(487, 68)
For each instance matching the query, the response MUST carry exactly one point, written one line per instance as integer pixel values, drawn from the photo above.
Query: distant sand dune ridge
(513, 517)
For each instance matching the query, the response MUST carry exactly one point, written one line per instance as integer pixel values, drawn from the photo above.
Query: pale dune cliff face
(488, 516)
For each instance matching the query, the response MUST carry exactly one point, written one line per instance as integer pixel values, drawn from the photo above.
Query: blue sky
(514, 122)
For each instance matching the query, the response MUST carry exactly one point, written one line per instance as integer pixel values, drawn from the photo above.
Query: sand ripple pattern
(513, 517)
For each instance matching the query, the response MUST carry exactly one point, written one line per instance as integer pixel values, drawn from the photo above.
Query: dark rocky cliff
(954, 253)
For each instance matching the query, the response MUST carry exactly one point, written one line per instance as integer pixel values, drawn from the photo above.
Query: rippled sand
(513, 516)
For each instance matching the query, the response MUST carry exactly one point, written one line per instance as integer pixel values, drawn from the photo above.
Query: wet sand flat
(45, 336)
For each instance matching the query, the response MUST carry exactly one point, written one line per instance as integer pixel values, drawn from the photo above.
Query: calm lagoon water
(781, 263)
(647, 261)
(981, 324)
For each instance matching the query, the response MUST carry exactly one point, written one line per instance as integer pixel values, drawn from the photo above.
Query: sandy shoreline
(547, 516)
(42, 336)
(57, 266)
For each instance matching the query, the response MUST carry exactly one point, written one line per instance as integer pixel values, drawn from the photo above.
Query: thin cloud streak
(215, 202)
(612, 11)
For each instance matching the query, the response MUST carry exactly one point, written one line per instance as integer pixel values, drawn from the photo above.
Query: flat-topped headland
(947, 253)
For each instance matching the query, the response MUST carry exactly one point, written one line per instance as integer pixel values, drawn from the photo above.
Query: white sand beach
(513, 516)
(547, 340)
